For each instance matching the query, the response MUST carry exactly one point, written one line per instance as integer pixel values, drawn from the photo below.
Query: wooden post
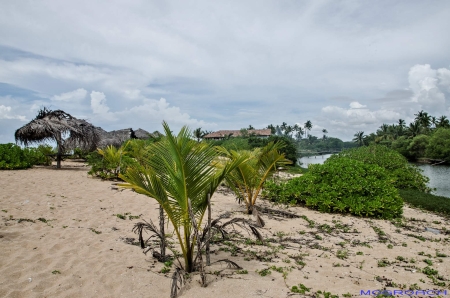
(58, 155)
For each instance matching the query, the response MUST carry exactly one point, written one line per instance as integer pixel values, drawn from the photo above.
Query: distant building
(222, 134)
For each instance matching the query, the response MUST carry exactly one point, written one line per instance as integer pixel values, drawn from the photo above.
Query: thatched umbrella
(67, 131)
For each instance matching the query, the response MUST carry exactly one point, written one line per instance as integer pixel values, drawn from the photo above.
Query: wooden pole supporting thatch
(67, 131)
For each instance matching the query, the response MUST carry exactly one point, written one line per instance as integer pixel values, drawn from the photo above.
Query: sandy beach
(60, 236)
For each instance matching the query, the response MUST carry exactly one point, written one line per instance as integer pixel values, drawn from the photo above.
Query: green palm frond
(178, 170)
(248, 178)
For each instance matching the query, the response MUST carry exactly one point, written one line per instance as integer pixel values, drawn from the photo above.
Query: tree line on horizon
(297, 137)
(425, 137)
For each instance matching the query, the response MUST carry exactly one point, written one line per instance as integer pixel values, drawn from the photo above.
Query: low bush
(13, 157)
(402, 174)
(109, 162)
(39, 155)
(341, 185)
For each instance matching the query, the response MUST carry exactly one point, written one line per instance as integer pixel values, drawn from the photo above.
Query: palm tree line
(423, 124)
(295, 131)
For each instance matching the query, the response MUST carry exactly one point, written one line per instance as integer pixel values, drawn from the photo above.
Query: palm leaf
(178, 170)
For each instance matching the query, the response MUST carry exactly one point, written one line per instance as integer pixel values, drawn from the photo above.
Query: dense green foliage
(401, 173)
(14, 157)
(109, 162)
(260, 164)
(341, 185)
(426, 137)
(439, 145)
(426, 201)
(289, 148)
(418, 146)
(233, 143)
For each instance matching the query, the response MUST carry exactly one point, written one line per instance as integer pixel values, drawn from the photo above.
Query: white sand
(65, 257)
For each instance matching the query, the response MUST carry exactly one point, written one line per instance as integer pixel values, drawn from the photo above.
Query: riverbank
(61, 236)
(431, 161)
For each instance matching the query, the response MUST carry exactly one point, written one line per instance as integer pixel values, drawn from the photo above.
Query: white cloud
(150, 111)
(75, 95)
(5, 113)
(443, 75)
(156, 111)
(429, 87)
(215, 61)
(352, 116)
(98, 103)
(356, 105)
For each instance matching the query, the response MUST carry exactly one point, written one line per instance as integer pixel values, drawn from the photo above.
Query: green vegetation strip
(426, 201)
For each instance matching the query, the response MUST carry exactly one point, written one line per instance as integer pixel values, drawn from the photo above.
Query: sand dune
(60, 237)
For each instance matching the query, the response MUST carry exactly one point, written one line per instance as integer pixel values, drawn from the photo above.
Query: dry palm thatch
(67, 131)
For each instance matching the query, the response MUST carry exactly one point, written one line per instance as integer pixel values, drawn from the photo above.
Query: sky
(346, 66)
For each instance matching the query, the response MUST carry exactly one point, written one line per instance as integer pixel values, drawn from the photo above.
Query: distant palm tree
(324, 131)
(414, 128)
(278, 130)
(401, 126)
(393, 131)
(308, 127)
(299, 132)
(443, 122)
(288, 131)
(198, 134)
(433, 121)
(424, 119)
(359, 138)
(283, 126)
(250, 127)
(383, 131)
(272, 128)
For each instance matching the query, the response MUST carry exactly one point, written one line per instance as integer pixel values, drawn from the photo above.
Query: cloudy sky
(345, 65)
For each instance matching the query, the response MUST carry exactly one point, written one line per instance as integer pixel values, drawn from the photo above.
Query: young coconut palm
(180, 174)
(248, 178)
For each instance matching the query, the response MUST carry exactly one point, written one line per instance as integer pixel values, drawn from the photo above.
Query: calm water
(306, 161)
(439, 178)
(439, 175)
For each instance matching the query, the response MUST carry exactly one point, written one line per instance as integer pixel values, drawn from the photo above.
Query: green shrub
(13, 157)
(39, 155)
(418, 146)
(402, 174)
(289, 149)
(342, 185)
(109, 162)
(80, 153)
(439, 145)
(233, 143)
(401, 146)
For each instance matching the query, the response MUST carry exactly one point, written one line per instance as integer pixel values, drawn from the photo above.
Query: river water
(439, 175)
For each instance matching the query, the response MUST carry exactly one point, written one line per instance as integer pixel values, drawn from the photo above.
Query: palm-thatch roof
(117, 137)
(68, 131)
